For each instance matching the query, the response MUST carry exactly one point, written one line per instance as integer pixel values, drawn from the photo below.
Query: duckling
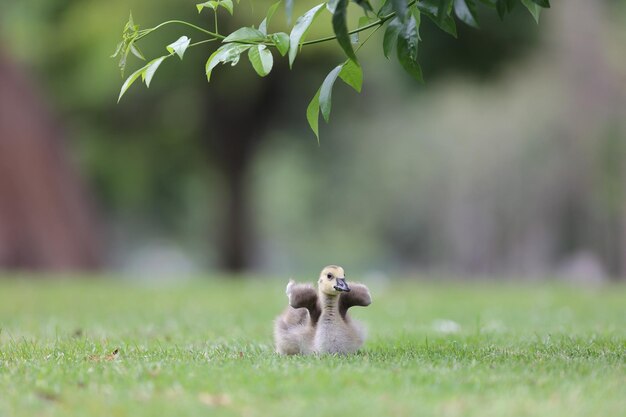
(317, 321)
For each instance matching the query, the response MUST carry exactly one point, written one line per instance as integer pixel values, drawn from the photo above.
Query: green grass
(205, 348)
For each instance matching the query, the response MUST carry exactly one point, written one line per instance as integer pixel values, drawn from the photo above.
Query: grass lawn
(205, 348)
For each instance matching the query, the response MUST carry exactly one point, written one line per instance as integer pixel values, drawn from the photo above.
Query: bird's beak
(342, 285)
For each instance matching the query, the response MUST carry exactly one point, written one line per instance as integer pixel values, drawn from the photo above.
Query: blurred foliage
(412, 176)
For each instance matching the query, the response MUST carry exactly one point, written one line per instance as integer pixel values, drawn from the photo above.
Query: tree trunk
(45, 220)
(235, 241)
(238, 126)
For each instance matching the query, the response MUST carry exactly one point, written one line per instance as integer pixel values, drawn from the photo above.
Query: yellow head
(333, 280)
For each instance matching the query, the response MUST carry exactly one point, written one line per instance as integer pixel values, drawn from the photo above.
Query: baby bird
(317, 321)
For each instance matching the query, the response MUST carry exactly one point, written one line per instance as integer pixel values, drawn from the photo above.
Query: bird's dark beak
(342, 285)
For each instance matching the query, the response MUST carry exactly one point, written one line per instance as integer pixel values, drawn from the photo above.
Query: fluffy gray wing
(304, 296)
(359, 295)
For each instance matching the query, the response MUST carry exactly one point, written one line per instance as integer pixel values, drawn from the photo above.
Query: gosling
(317, 321)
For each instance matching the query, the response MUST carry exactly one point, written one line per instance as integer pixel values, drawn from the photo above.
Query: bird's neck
(329, 305)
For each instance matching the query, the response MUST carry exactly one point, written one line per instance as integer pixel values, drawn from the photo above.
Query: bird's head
(332, 280)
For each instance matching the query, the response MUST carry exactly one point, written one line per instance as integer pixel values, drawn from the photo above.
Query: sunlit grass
(205, 347)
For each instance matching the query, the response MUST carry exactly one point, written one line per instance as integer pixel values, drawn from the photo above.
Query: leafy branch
(402, 19)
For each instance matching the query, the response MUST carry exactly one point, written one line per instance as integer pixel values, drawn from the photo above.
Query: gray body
(316, 322)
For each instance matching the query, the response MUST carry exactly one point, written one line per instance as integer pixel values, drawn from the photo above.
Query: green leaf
(406, 48)
(465, 10)
(410, 32)
(331, 5)
(228, 5)
(443, 10)
(326, 91)
(430, 8)
(363, 20)
(366, 20)
(130, 25)
(136, 52)
(123, 59)
(268, 17)
(447, 25)
(150, 69)
(272, 10)
(129, 81)
(340, 27)
(543, 3)
(179, 47)
(261, 59)
(401, 9)
(229, 52)
(418, 19)
(365, 5)
(352, 74)
(281, 40)
(312, 115)
(391, 34)
(510, 5)
(245, 34)
(533, 8)
(214, 4)
(501, 7)
(385, 8)
(118, 49)
(208, 4)
(410, 66)
(300, 29)
(263, 26)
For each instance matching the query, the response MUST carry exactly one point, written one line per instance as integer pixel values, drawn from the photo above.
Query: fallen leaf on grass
(47, 395)
(110, 357)
(211, 400)
(113, 355)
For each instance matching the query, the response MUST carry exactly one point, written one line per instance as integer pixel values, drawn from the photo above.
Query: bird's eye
(329, 276)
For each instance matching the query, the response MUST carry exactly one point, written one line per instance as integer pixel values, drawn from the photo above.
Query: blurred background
(509, 162)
